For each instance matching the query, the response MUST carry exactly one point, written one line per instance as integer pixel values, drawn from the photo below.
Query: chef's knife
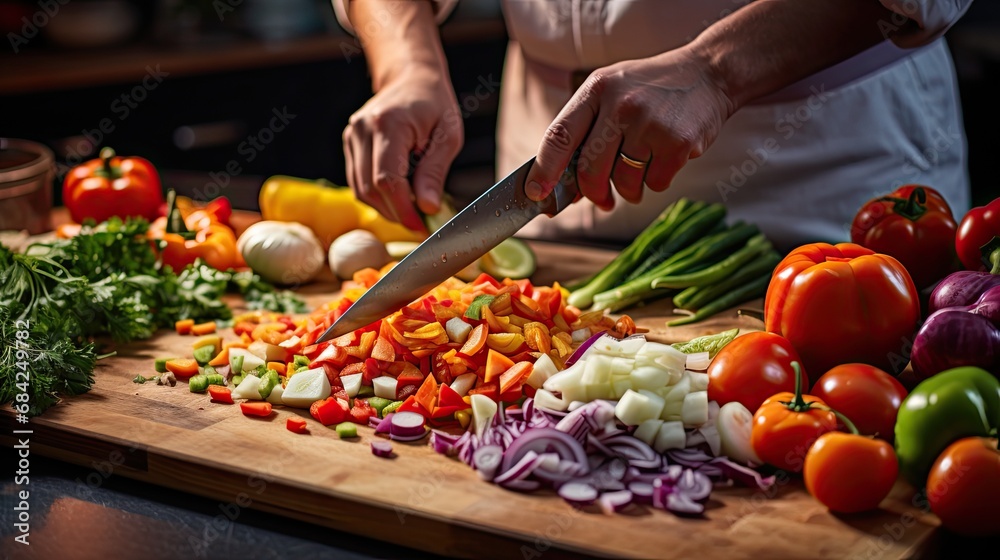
(496, 215)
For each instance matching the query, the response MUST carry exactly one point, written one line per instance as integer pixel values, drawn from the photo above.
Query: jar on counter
(27, 171)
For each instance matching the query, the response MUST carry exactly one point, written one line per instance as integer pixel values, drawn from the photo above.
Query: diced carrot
(383, 351)
(515, 376)
(244, 327)
(239, 344)
(496, 364)
(184, 326)
(297, 425)
(220, 394)
(182, 367)
(203, 328)
(277, 366)
(427, 394)
(476, 340)
(252, 408)
(220, 359)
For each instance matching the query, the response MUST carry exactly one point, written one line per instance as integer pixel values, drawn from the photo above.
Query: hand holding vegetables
(913, 224)
(113, 185)
(842, 303)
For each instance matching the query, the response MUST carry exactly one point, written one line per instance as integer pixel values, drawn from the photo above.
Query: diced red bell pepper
(332, 374)
(330, 411)
(491, 390)
(370, 371)
(512, 395)
(297, 425)
(405, 391)
(440, 369)
(362, 411)
(528, 391)
(447, 411)
(220, 394)
(341, 394)
(244, 327)
(410, 375)
(447, 397)
(351, 369)
(411, 405)
(483, 277)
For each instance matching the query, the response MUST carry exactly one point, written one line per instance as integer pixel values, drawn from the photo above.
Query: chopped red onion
(486, 460)
(385, 425)
(613, 502)
(381, 448)
(408, 438)
(642, 492)
(406, 424)
(578, 493)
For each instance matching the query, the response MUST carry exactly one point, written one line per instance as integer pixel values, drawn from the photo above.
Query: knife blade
(496, 215)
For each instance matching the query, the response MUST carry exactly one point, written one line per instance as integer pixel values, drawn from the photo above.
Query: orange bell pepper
(112, 185)
(184, 237)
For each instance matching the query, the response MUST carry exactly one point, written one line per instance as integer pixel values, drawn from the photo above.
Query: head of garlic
(284, 253)
(355, 250)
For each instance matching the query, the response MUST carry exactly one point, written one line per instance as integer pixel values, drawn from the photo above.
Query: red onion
(613, 502)
(381, 448)
(578, 493)
(486, 460)
(406, 425)
(384, 427)
(408, 438)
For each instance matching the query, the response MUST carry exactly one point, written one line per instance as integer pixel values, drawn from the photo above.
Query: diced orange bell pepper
(427, 394)
(253, 408)
(203, 328)
(182, 367)
(220, 394)
(496, 364)
(184, 326)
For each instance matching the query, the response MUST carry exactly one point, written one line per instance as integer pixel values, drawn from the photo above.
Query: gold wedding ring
(636, 164)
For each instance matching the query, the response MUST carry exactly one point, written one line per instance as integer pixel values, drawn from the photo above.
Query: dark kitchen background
(187, 83)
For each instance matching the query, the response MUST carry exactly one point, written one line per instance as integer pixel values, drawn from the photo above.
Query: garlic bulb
(355, 250)
(285, 253)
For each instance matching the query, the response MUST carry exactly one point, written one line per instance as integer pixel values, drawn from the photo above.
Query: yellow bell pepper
(327, 209)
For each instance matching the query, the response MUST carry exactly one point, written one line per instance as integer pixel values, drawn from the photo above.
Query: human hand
(658, 112)
(414, 118)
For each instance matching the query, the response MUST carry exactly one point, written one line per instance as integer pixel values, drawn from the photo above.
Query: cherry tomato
(849, 473)
(787, 424)
(963, 488)
(866, 395)
(751, 368)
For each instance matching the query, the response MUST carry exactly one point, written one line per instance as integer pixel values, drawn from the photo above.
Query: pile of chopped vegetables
(462, 340)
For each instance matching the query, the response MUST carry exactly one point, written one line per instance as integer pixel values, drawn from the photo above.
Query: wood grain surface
(177, 439)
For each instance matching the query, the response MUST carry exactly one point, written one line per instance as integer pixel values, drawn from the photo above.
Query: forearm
(397, 35)
(770, 44)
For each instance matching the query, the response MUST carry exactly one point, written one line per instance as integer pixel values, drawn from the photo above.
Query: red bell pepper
(978, 228)
(113, 185)
(296, 425)
(913, 224)
(843, 303)
(329, 411)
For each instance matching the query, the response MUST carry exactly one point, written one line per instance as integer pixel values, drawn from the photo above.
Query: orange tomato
(786, 425)
(849, 473)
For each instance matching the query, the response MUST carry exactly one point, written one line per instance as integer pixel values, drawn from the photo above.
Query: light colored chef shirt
(799, 163)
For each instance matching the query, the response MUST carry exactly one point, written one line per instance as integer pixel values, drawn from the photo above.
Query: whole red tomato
(963, 488)
(113, 185)
(786, 426)
(849, 473)
(866, 395)
(751, 368)
(915, 225)
(978, 227)
(843, 303)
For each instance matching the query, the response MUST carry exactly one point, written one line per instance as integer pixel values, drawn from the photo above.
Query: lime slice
(512, 258)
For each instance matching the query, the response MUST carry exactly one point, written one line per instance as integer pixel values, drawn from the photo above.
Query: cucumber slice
(512, 258)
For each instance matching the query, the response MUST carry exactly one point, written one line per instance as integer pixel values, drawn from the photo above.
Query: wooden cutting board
(174, 438)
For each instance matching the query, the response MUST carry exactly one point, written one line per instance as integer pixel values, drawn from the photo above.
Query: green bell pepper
(956, 403)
